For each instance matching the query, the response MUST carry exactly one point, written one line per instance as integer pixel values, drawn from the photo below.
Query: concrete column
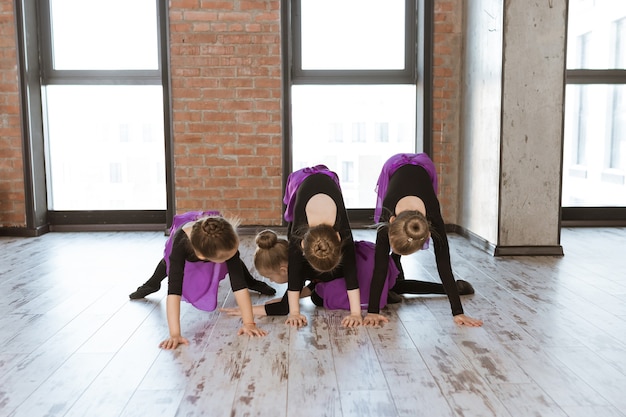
(532, 126)
(513, 125)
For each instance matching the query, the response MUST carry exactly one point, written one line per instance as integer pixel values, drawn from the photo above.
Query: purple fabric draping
(201, 279)
(392, 165)
(335, 293)
(293, 183)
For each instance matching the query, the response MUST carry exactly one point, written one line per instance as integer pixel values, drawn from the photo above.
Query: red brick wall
(447, 70)
(12, 207)
(226, 94)
(227, 118)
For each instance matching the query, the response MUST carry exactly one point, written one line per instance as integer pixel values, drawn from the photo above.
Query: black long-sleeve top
(183, 251)
(312, 185)
(413, 180)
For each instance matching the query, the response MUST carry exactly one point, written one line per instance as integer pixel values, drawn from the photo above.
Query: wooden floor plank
(163, 403)
(110, 391)
(527, 400)
(368, 403)
(462, 385)
(211, 390)
(608, 381)
(312, 388)
(58, 393)
(411, 385)
(262, 388)
(559, 382)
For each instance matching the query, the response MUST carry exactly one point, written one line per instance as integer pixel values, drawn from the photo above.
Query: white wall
(480, 120)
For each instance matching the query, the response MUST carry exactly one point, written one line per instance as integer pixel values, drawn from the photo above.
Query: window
(102, 94)
(382, 132)
(372, 30)
(617, 158)
(617, 152)
(359, 132)
(354, 64)
(347, 171)
(336, 132)
(595, 108)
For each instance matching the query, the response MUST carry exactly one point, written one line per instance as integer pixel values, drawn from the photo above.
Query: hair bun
(213, 226)
(266, 239)
(321, 249)
(416, 228)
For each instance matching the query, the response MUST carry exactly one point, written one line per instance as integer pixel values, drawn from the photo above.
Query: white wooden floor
(553, 343)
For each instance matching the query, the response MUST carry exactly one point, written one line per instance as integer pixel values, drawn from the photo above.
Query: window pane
(374, 122)
(105, 148)
(596, 34)
(594, 151)
(618, 130)
(104, 35)
(353, 34)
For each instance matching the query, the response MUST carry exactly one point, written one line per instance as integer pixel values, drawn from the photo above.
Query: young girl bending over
(318, 231)
(201, 249)
(407, 209)
(325, 290)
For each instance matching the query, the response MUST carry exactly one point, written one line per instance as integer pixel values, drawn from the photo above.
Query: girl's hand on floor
(373, 319)
(296, 320)
(251, 330)
(463, 320)
(172, 342)
(353, 320)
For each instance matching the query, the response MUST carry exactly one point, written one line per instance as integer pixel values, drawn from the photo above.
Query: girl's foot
(393, 297)
(142, 291)
(464, 287)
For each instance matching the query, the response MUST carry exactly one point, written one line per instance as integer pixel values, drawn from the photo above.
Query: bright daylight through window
(353, 127)
(103, 99)
(594, 154)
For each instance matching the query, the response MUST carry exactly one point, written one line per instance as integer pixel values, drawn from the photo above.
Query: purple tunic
(293, 183)
(392, 165)
(335, 293)
(200, 279)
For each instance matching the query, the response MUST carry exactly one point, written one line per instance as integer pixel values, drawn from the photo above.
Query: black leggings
(412, 286)
(316, 299)
(159, 274)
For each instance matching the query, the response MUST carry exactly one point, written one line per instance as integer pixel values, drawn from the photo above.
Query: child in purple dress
(318, 231)
(201, 250)
(407, 211)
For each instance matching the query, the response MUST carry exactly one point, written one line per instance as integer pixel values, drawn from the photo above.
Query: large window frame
(594, 216)
(417, 70)
(91, 77)
(402, 76)
(36, 70)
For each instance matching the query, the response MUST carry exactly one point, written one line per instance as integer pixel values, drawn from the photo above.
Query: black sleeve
(381, 267)
(180, 249)
(348, 251)
(279, 308)
(236, 273)
(348, 259)
(442, 258)
(295, 276)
